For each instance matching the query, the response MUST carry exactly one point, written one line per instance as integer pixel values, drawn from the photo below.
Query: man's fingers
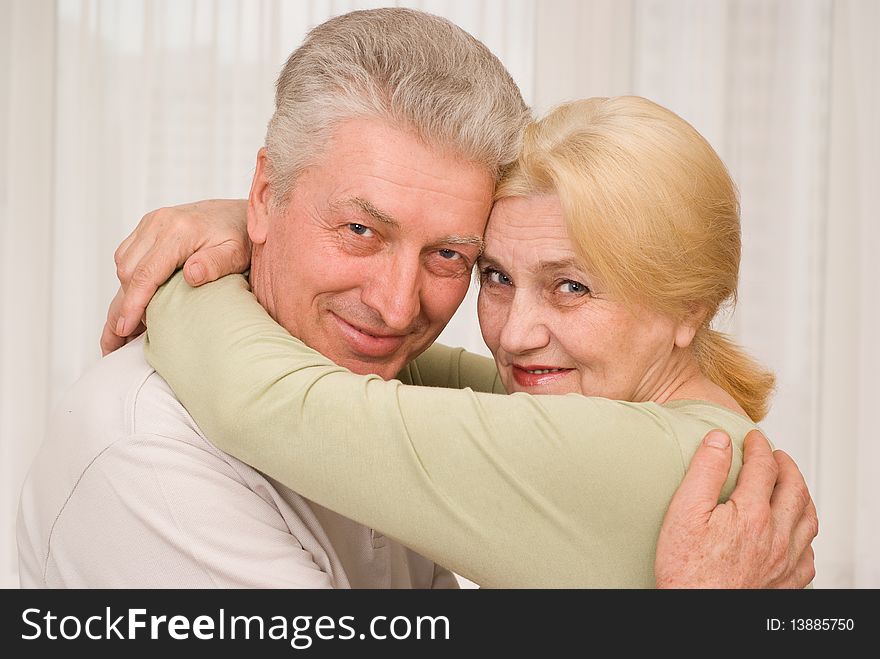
(805, 531)
(803, 573)
(211, 263)
(790, 495)
(795, 520)
(756, 481)
(806, 569)
(705, 477)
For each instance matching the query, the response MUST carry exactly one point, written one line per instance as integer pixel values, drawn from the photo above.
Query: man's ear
(688, 325)
(259, 201)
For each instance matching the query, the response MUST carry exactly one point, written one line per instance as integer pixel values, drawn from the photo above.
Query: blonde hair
(654, 215)
(413, 69)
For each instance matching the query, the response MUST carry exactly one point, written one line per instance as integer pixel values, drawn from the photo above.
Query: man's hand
(760, 538)
(208, 238)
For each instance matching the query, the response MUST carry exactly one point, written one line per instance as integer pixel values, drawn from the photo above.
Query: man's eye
(572, 287)
(360, 229)
(449, 254)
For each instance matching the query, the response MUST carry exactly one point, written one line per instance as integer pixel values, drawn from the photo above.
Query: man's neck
(260, 282)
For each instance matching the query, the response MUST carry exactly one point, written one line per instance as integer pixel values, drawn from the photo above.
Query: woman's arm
(505, 490)
(452, 368)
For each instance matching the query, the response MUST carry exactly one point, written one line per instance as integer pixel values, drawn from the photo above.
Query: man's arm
(153, 512)
(759, 538)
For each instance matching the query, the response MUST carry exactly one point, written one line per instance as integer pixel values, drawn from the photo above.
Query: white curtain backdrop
(110, 108)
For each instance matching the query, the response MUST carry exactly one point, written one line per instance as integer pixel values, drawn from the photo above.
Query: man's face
(374, 252)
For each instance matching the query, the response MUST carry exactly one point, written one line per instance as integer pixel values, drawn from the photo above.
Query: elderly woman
(613, 242)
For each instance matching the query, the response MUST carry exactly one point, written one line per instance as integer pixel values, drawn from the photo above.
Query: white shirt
(126, 492)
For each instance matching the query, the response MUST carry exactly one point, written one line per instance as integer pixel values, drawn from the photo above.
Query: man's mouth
(368, 342)
(535, 375)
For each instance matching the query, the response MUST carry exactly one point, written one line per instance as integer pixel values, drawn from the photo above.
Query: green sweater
(508, 491)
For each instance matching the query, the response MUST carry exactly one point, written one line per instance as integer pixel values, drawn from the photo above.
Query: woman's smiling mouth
(534, 375)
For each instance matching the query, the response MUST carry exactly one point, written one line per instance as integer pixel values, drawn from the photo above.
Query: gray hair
(413, 69)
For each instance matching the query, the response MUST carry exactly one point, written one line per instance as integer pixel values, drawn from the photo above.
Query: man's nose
(524, 329)
(395, 293)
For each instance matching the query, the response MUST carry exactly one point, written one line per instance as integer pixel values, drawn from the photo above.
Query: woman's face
(551, 326)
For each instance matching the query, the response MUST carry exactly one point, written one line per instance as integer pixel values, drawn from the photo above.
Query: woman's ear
(259, 201)
(688, 325)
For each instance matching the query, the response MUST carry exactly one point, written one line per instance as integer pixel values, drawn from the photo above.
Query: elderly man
(388, 118)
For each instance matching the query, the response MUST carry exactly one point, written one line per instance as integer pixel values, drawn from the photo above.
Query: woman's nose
(525, 329)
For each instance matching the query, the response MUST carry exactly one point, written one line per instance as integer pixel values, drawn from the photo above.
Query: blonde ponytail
(729, 366)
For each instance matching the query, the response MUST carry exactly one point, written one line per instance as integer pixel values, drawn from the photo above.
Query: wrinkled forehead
(377, 171)
(527, 232)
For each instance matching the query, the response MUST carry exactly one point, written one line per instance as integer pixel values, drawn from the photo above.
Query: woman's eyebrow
(562, 264)
(544, 267)
(488, 261)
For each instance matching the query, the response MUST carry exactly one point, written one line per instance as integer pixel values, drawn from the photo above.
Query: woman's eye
(572, 287)
(449, 254)
(496, 277)
(360, 229)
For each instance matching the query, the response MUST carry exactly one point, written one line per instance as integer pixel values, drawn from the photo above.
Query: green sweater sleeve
(452, 368)
(506, 490)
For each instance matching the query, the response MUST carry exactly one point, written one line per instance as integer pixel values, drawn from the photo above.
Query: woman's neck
(687, 382)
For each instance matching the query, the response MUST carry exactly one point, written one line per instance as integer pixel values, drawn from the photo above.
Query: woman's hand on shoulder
(208, 239)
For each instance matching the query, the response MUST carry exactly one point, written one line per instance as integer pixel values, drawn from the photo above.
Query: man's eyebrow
(463, 240)
(368, 208)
